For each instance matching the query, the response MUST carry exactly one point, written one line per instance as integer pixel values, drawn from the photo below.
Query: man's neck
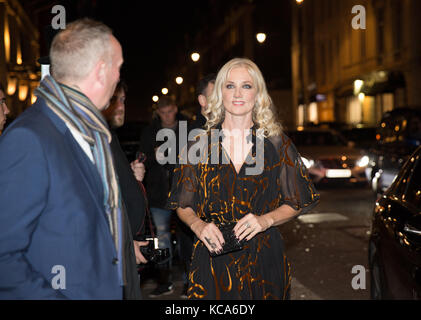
(171, 126)
(83, 87)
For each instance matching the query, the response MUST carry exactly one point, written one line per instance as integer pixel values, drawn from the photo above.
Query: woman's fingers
(251, 234)
(248, 227)
(220, 237)
(212, 237)
(243, 229)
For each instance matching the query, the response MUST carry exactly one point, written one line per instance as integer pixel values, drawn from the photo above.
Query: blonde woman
(210, 196)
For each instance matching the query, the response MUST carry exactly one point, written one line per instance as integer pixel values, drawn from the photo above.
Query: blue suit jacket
(54, 236)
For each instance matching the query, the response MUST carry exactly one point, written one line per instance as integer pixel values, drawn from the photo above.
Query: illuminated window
(6, 39)
(313, 115)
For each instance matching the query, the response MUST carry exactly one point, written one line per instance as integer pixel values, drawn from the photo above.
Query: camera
(152, 253)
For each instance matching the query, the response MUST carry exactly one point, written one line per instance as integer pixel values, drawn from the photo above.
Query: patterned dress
(217, 193)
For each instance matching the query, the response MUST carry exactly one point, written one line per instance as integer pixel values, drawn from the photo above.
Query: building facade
(352, 60)
(19, 52)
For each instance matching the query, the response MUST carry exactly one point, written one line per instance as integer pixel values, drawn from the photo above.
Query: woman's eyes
(245, 86)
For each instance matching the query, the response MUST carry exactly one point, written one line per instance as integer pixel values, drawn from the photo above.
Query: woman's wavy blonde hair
(263, 112)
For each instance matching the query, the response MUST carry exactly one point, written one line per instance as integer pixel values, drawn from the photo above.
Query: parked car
(364, 138)
(328, 156)
(395, 241)
(398, 135)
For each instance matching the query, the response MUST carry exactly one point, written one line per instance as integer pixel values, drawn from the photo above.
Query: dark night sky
(152, 33)
(149, 32)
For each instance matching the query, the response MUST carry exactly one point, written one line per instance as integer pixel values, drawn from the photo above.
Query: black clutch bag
(231, 242)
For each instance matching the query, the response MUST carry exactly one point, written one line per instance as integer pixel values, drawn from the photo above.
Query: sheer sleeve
(184, 190)
(296, 187)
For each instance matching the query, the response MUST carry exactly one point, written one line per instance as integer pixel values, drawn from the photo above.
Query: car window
(398, 187)
(414, 128)
(413, 191)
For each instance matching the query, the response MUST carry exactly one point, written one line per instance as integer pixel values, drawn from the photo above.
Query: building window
(300, 115)
(388, 102)
(380, 32)
(6, 38)
(369, 111)
(313, 115)
(353, 110)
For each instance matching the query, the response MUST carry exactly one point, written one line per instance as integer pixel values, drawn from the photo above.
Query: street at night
(325, 244)
(152, 150)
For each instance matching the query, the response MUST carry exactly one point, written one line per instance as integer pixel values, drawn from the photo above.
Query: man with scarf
(64, 232)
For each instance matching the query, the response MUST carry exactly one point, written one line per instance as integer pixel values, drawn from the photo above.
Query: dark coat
(135, 205)
(158, 177)
(132, 194)
(199, 123)
(52, 214)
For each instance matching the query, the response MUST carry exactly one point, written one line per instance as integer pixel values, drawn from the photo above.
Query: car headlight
(307, 162)
(363, 161)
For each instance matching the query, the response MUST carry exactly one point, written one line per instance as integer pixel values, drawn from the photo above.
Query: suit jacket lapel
(88, 170)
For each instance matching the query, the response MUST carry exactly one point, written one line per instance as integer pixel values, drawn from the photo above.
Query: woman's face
(239, 92)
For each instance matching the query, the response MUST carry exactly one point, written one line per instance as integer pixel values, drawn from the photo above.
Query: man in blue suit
(64, 233)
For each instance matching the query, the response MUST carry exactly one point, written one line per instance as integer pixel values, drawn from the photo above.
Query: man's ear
(202, 100)
(158, 111)
(101, 73)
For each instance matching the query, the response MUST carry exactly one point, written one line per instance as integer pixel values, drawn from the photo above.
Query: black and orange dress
(217, 193)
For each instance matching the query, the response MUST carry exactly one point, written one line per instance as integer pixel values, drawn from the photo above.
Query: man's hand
(139, 256)
(138, 170)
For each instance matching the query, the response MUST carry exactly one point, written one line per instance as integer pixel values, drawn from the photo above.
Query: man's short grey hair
(77, 49)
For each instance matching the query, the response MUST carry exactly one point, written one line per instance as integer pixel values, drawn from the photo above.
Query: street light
(155, 98)
(195, 56)
(179, 80)
(164, 91)
(261, 37)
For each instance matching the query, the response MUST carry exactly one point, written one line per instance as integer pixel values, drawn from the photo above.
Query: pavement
(148, 284)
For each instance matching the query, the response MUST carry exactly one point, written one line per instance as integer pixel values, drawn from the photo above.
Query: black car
(395, 241)
(364, 138)
(398, 135)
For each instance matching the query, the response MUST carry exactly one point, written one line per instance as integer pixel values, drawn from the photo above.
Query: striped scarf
(79, 113)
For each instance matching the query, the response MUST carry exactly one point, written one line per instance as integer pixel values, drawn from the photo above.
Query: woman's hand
(250, 225)
(209, 234)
